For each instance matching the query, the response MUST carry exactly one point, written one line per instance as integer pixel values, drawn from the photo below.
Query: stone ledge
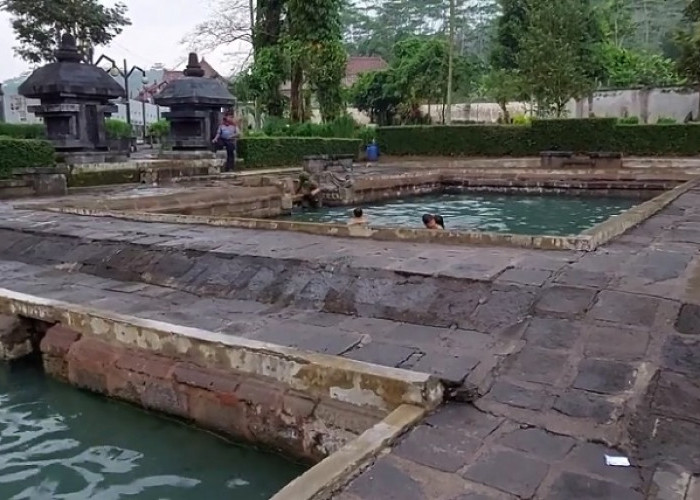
(327, 477)
(374, 387)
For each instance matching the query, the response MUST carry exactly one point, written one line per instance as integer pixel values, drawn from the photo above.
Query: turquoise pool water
(57, 442)
(548, 214)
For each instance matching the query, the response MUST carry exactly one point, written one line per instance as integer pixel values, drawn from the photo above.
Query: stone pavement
(568, 353)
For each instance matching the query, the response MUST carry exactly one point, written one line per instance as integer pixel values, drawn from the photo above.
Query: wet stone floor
(571, 355)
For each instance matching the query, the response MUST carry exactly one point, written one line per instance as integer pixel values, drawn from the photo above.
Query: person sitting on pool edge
(433, 221)
(358, 218)
(310, 192)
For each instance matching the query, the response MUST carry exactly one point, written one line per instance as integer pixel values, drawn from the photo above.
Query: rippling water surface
(547, 214)
(60, 443)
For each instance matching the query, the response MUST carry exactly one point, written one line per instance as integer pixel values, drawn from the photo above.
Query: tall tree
(556, 52)
(509, 31)
(318, 58)
(227, 24)
(688, 42)
(39, 24)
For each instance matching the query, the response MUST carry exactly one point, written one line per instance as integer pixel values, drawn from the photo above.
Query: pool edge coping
(335, 471)
(374, 386)
(588, 240)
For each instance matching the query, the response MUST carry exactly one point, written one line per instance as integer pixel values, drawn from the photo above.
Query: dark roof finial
(193, 67)
(68, 50)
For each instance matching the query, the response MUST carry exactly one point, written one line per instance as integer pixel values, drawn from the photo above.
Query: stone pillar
(75, 100)
(196, 105)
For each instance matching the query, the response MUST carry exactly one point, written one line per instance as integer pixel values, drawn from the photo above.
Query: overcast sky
(154, 37)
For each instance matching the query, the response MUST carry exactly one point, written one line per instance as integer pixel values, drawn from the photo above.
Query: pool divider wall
(305, 404)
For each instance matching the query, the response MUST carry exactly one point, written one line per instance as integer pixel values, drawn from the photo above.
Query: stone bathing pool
(566, 210)
(59, 442)
(546, 214)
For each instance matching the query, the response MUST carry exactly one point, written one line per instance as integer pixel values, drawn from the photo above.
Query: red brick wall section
(255, 410)
(54, 348)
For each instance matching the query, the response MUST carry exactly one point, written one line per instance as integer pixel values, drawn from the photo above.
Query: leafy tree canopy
(39, 24)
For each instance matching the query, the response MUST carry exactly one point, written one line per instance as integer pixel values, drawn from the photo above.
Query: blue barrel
(372, 152)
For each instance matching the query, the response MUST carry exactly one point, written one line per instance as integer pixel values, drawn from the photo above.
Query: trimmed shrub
(577, 135)
(572, 135)
(117, 129)
(290, 151)
(665, 120)
(24, 153)
(23, 130)
(459, 140)
(629, 120)
(658, 140)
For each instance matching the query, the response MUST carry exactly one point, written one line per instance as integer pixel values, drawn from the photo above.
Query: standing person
(226, 136)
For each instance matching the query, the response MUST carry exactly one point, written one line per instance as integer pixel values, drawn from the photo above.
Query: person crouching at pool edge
(433, 221)
(310, 192)
(358, 218)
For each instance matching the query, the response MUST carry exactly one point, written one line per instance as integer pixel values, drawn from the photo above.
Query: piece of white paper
(617, 461)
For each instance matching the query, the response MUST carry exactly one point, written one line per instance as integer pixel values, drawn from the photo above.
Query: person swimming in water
(358, 218)
(433, 221)
(440, 221)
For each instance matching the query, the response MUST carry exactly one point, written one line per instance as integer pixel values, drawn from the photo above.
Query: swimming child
(358, 218)
(433, 221)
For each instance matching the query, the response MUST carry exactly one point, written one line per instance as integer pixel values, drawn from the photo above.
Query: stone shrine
(196, 105)
(75, 100)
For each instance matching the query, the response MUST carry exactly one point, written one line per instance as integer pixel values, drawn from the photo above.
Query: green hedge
(104, 178)
(24, 153)
(578, 135)
(290, 151)
(23, 130)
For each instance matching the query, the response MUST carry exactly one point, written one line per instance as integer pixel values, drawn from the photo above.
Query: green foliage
(462, 140)
(24, 153)
(418, 74)
(117, 129)
(510, 28)
(159, 129)
(38, 25)
(314, 46)
(628, 68)
(542, 135)
(376, 94)
(503, 86)
(664, 120)
(555, 60)
(264, 78)
(629, 120)
(688, 43)
(290, 151)
(342, 127)
(521, 119)
(23, 130)
(367, 135)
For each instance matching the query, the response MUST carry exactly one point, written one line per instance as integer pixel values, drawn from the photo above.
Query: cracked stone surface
(568, 349)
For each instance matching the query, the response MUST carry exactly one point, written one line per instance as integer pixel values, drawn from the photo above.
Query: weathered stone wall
(253, 409)
(409, 296)
(16, 338)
